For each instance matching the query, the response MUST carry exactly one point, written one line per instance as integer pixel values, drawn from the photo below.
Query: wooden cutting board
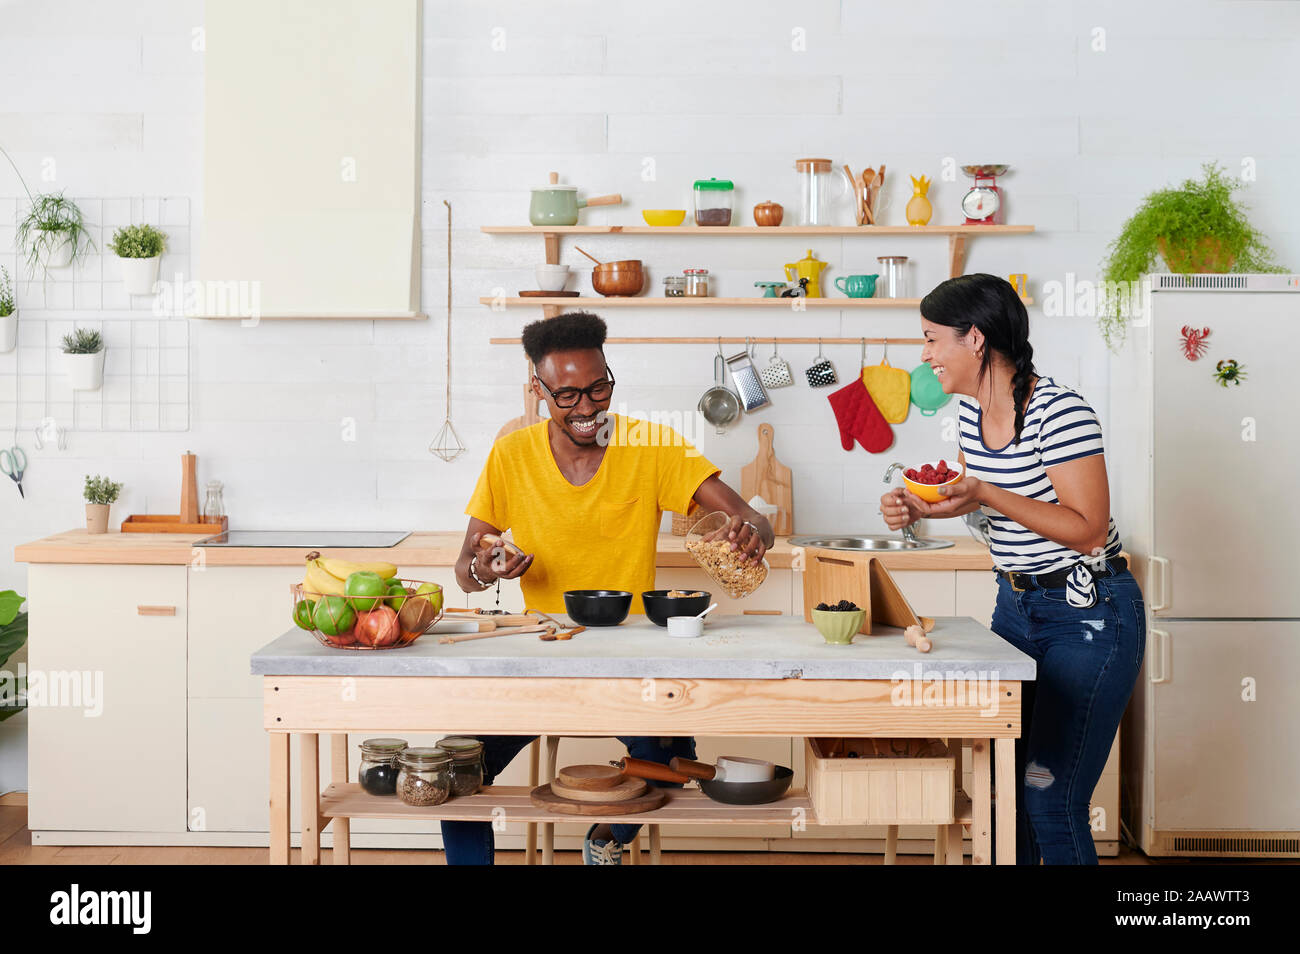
(771, 480)
(625, 790)
(543, 797)
(590, 778)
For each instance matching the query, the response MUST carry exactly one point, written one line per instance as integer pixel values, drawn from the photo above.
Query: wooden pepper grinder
(189, 489)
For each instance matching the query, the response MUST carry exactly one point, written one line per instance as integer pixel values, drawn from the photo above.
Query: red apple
(378, 627)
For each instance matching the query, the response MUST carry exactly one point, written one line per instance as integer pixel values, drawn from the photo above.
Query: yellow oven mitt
(891, 389)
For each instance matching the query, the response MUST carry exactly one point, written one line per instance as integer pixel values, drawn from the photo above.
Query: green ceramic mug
(857, 286)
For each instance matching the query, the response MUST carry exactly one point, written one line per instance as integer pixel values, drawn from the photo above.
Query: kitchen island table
(747, 676)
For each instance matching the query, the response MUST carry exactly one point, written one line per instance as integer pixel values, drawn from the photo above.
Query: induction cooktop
(312, 539)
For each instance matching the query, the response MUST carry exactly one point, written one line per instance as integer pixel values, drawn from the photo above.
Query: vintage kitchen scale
(983, 204)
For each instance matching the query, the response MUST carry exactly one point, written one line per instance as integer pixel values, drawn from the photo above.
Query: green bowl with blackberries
(838, 622)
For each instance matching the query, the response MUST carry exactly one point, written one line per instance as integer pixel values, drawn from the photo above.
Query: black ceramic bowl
(597, 607)
(658, 605)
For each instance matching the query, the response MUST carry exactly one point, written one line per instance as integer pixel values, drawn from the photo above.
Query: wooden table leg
(1006, 807)
(655, 852)
(956, 830)
(279, 801)
(891, 845)
(981, 833)
(342, 827)
(548, 828)
(309, 796)
(530, 836)
(940, 844)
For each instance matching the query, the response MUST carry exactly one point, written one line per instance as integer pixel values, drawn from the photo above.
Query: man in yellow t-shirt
(583, 494)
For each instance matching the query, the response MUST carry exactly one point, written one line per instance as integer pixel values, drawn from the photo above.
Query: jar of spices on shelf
(423, 776)
(713, 201)
(466, 763)
(378, 772)
(697, 282)
(674, 286)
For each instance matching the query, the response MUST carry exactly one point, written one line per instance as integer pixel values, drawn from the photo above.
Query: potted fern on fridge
(83, 356)
(138, 249)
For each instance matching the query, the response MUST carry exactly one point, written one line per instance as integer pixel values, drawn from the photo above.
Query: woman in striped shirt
(1032, 451)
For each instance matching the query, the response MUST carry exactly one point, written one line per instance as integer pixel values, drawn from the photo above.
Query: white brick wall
(113, 93)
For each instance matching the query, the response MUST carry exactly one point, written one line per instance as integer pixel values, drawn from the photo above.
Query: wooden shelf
(651, 301)
(787, 230)
(684, 807)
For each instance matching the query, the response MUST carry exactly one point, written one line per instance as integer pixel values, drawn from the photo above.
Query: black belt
(1056, 579)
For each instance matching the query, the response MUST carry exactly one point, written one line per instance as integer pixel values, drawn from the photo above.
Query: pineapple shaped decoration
(919, 210)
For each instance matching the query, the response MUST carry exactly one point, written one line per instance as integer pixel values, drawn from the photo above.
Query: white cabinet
(108, 754)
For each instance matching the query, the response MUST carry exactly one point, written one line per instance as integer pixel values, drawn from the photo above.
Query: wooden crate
(875, 790)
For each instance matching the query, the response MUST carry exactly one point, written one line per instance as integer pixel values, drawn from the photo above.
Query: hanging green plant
(1196, 227)
(53, 233)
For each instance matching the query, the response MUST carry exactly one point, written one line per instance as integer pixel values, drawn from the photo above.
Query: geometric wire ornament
(446, 444)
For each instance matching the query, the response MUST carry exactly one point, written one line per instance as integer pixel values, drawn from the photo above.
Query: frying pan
(729, 793)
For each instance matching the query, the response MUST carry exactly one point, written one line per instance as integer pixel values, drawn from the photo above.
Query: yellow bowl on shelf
(930, 492)
(664, 217)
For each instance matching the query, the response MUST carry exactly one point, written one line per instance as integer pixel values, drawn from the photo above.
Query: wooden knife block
(834, 575)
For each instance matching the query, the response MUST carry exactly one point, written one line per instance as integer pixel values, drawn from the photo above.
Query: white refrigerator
(1205, 489)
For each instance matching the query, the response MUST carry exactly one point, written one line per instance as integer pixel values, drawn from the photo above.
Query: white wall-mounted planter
(97, 517)
(139, 274)
(86, 370)
(61, 255)
(8, 332)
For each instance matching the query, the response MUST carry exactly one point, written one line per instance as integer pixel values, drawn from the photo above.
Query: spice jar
(674, 286)
(697, 282)
(423, 776)
(378, 772)
(713, 200)
(466, 763)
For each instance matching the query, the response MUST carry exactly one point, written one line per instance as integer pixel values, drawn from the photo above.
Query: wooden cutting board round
(543, 797)
(589, 777)
(627, 789)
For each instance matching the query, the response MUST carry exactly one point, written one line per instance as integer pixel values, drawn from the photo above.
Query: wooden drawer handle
(156, 610)
(761, 613)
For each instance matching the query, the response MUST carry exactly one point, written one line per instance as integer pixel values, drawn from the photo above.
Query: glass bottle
(214, 508)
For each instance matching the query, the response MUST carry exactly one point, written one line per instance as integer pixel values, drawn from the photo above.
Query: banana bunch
(325, 576)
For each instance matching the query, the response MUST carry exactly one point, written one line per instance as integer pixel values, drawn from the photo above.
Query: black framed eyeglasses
(569, 397)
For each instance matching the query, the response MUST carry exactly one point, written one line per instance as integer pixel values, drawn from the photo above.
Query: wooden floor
(16, 848)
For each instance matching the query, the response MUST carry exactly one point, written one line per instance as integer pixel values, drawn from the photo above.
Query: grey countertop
(732, 647)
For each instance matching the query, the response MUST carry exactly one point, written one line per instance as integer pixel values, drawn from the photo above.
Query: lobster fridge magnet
(1194, 342)
(1229, 372)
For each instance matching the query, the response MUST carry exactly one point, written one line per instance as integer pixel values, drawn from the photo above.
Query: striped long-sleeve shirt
(1060, 426)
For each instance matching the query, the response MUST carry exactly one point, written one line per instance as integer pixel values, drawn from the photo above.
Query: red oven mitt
(859, 418)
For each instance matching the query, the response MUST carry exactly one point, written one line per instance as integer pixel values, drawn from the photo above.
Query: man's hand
(745, 538)
(499, 558)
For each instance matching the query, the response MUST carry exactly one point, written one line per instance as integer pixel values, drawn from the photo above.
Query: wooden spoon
(857, 197)
(590, 256)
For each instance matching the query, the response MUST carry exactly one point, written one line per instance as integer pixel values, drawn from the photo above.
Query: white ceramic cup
(551, 277)
(735, 768)
(685, 626)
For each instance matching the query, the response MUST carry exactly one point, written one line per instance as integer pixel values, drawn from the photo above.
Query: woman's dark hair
(990, 304)
(572, 331)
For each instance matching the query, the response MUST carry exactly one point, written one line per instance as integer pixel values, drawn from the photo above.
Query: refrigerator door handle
(1163, 602)
(1161, 653)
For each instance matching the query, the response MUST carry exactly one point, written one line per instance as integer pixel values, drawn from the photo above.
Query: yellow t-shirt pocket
(616, 519)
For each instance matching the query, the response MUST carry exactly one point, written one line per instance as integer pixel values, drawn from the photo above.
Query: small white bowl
(685, 627)
(551, 277)
(736, 768)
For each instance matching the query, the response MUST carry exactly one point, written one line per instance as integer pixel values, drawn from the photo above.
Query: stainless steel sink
(868, 542)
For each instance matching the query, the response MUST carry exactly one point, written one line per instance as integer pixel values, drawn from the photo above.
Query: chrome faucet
(909, 535)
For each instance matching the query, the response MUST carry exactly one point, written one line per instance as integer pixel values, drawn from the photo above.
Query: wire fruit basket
(368, 622)
(708, 543)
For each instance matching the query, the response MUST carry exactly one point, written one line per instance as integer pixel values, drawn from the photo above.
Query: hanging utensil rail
(766, 339)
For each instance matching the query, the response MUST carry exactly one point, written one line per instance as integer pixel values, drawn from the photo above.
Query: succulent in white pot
(83, 356)
(100, 493)
(52, 234)
(8, 313)
(138, 249)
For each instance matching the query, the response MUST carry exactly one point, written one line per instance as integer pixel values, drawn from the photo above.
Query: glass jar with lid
(423, 776)
(466, 763)
(378, 771)
(713, 201)
(674, 286)
(893, 276)
(697, 282)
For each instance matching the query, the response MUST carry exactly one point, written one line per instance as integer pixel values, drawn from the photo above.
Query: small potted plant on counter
(83, 352)
(1197, 227)
(8, 313)
(52, 234)
(138, 249)
(13, 634)
(100, 493)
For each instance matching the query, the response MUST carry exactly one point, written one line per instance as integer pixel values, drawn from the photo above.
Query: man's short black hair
(572, 331)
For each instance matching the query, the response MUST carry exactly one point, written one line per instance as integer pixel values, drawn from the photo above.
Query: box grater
(752, 395)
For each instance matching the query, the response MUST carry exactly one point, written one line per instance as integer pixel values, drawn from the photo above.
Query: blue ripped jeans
(1088, 661)
(472, 843)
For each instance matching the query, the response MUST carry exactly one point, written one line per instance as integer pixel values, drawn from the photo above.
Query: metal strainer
(719, 404)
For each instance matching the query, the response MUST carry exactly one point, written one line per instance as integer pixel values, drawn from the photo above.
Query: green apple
(302, 614)
(397, 593)
(333, 615)
(434, 593)
(366, 589)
